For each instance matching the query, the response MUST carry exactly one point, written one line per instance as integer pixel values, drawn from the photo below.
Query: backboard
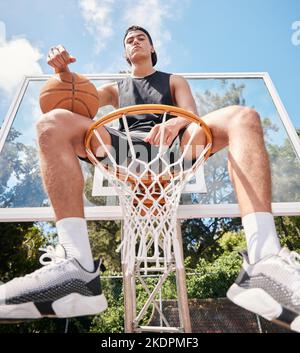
(22, 197)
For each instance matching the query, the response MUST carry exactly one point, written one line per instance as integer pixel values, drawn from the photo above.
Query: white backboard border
(185, 211)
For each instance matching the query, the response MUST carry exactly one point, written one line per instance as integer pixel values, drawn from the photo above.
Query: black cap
(138, 28)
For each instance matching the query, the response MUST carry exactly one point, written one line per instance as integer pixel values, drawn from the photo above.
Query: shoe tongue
(60, 251)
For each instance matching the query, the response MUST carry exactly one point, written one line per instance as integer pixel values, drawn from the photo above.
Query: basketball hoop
(149, 193)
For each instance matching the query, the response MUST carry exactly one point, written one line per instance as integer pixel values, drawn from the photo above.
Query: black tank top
(152, 89)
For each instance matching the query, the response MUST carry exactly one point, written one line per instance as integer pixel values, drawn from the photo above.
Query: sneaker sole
(266, 306)
(72, 305)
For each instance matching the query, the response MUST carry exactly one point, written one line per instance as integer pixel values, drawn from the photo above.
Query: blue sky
(189, 35)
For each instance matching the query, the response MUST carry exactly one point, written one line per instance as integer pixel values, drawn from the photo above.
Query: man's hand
(171, 130)
(59, 59)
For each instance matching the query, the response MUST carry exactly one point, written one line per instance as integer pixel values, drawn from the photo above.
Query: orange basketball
(71, 91)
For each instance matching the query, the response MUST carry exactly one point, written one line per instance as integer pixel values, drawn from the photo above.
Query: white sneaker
(270, 288)
(61, 289)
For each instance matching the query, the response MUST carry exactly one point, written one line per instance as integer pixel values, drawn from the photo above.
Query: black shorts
(144, 151)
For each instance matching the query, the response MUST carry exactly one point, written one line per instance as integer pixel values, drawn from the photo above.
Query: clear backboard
(22, 197)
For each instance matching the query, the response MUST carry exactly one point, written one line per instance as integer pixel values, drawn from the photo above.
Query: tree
(20, 243)
(20, 181)
(105, 237)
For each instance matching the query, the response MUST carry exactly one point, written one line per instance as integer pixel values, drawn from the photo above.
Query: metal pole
(183, 305)
(128, 295)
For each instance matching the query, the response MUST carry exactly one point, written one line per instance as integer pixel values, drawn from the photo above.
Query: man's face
(137, 45)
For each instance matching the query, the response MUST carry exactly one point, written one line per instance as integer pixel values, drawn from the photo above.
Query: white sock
(261, 236)
(73, 235)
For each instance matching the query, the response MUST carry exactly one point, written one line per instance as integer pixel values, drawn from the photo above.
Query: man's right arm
(108, 95)
(59, 59)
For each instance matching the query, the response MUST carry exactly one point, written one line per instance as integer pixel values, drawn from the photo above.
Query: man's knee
(245, 117)
(53, 125)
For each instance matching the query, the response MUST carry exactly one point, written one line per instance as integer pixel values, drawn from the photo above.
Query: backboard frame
(184, 211)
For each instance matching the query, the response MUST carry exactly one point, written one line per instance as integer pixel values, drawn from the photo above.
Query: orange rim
(147, 109)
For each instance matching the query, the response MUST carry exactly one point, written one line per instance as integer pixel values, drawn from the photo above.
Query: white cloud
(105, 18)
(150, 14)
(99, 23)
(153, 15)
(18, 57)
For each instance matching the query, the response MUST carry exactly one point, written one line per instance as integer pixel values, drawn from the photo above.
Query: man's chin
(137, 57)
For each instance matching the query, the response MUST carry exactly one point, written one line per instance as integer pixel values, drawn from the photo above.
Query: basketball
(71, 91)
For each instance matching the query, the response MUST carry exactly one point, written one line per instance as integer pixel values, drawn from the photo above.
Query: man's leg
(61, 139)
(266, 284)
(240, 129)
(69, 285)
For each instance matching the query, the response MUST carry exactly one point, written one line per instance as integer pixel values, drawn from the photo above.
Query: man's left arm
(183, 97)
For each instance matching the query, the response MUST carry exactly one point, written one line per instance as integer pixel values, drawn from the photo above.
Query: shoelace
(50, 253)
(294, 260)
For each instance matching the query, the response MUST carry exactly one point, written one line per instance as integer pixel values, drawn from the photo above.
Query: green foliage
(213, 278)
(232, 242)
(285, 172)
(200, 236)
(20, 243)
(20, 182)
(19, 255)
(288, 229)
(105, 237)
(111, 320)
(47, 325)
(35, 326)
(9, 161)
(29, 188)
(170, 290)
(210, 101)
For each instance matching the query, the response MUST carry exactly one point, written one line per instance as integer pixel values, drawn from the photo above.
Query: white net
(149, 193)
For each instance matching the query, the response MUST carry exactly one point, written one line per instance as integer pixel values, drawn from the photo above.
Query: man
(269, 280)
